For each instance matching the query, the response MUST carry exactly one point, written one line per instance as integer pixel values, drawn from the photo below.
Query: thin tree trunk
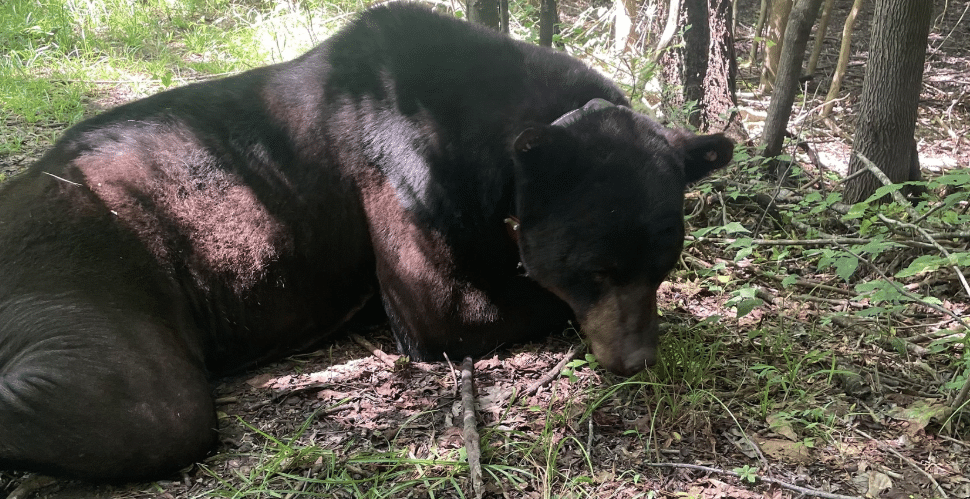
(697, 42)
(759, 29)
(844, 53)
(625, 14)
(786, 86)
(734, 16)
(670, 28)
(775, 41)
(823, 25)
(503, 13)
(548, 21)
(890, 95)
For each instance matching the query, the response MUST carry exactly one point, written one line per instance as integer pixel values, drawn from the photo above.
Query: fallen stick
(385, 358)
(547, 378)
(786, 485)
(916, 466)
(470, 433)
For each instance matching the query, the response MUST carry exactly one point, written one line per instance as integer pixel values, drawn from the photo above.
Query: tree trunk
(720, 102)
(548, 21)
(759, 28)
(786, 86)
(703, 69)
(625, 12)
(697, 42)
(503, 12)
(890, 95)
(844, 53)
(774, 41)
(484, 12)
(823, 26)
(669, 27)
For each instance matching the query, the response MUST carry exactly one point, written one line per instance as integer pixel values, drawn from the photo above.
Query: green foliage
(747, 473)
(588, 361)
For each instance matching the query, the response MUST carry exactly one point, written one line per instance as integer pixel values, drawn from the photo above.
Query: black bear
(484, 189)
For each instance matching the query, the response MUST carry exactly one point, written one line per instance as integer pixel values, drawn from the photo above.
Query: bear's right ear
(702, 153)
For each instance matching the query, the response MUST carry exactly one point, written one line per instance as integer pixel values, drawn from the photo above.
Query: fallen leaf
(878, 482)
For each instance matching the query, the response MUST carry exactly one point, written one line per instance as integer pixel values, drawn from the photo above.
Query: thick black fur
(211, 227)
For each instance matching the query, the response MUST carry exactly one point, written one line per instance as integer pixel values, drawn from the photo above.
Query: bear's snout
(623, 329)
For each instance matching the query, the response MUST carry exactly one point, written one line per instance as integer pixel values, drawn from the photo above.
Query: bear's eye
(603, 276)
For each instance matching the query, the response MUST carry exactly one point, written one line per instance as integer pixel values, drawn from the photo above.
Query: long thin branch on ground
(907, 460)
(786, 485)
(470, 431)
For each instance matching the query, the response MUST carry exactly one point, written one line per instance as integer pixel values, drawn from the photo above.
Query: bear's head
(599, 200)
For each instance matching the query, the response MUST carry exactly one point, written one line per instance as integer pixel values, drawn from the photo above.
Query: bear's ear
(702, 153)
(529, 139)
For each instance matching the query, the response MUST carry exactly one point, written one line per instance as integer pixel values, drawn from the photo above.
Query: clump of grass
(61, 61)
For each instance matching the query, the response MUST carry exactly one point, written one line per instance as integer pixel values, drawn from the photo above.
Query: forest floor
(786, 400)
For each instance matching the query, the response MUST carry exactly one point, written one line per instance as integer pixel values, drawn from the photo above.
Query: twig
(61, 179)
(908, 461)
(786, 485)
(454, 376)
(470, 433)
(550, 375)
(385, 358)
(941, 249)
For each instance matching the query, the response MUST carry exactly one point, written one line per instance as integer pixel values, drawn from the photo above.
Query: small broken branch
(377, 352)
(470, 431)
(550, 375)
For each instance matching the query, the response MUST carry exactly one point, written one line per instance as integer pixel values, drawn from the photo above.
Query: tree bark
(844, 53)
(484, 12)
(548, 21)
(774, 41)
(624, 20)
(786, 86)
(890, 95)
(702, 70)
(697, 42)
(720, 102)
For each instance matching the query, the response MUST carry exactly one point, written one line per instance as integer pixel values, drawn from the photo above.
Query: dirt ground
(884, 442)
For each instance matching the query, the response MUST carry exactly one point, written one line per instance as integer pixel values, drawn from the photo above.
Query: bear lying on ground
(411, 158)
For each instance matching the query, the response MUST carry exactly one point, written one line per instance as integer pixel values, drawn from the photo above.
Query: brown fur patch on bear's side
(184, 206)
